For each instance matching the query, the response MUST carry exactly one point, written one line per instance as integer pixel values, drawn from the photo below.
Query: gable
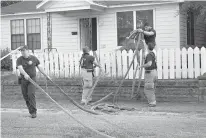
(64, 4)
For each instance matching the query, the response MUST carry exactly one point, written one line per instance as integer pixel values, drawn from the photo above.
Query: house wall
(166, 25)
(63, 23)
(6, 29)
(5, 33)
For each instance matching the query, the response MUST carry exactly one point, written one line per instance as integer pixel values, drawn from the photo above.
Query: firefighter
(150, 76)
(26, 65)
(150, 63)
(149, 34)
(86, 62)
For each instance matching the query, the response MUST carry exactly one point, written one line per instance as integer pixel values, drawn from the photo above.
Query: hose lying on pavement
(68, 113)
(71, 100)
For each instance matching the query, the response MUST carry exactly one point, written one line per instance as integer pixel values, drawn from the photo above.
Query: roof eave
(131, 5)
(67, 9)
(95, 4)
(25, 13)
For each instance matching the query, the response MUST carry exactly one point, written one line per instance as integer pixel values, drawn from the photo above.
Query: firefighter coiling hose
(140, 36)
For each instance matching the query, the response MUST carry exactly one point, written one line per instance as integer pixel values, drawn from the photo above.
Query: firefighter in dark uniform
(150, 65)
(149, 34)
(87, 63)
(26, 65)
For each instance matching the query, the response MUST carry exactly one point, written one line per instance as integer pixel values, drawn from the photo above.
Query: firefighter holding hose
(86, 62)
(26, 65)
(150, 64)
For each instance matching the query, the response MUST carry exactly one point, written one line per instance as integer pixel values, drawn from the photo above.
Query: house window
(17, 33)
(190, 28)
(144, 16)
(124, 26)
(33, 33)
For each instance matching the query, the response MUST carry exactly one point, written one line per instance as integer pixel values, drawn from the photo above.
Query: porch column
(49, 30)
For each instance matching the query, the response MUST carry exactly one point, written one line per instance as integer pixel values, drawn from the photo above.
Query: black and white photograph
(103, 68)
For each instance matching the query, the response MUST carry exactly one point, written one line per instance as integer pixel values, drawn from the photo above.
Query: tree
(197, 8)
(7, 3)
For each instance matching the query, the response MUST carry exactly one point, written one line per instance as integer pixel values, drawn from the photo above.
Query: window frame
(15, 31)
(191, 14)
(25, 30)
(134, 20)
(117, 23)
(27, 34)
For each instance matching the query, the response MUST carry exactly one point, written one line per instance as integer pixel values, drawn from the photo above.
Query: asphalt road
(16, 123)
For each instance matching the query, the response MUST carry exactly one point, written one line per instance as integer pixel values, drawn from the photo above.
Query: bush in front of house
(6, 64)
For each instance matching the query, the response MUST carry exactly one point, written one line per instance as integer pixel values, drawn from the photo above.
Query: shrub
(6, 64)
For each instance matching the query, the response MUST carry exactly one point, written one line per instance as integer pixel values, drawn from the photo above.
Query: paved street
(53, 123)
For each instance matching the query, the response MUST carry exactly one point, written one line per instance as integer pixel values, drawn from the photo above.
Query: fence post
(178, 63)
(131, 71)
(159, 63)
(171, 64)
(66, 70)
(119, 63)
(203, 60)
(165, 64)
(184, 63)
(124, 62)
(197, 62)
(190, 63)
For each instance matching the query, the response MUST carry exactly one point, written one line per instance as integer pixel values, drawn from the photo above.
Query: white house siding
(6, 30)
(5, 33)
(166, 25)
(63, 23)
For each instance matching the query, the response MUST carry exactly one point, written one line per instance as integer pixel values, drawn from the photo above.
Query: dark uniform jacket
(151, 57)
(87, 61)
(29, 65)
(150, 39)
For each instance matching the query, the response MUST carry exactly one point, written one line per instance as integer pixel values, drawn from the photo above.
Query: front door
(88, 33)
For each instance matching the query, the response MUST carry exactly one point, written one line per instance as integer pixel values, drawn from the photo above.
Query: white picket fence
(172, 63)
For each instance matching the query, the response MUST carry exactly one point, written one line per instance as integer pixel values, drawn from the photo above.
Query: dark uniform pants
(28, 91)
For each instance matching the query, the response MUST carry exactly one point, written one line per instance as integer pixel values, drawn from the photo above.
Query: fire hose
(128, 133)
(67, 112)
(115, 93)
(71, 100)
(10, 53)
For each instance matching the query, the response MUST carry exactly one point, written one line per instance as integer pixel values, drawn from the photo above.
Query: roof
(32, 6)
(21, 7)
(114, 3)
